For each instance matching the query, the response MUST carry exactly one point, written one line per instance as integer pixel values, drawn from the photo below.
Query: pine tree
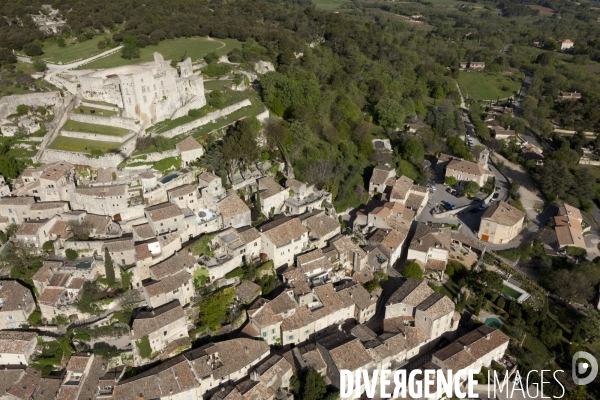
(110, 269)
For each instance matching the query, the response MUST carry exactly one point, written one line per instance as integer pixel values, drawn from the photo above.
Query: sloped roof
(503, 213)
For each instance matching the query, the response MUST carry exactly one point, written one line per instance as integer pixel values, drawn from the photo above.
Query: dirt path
(223, 44)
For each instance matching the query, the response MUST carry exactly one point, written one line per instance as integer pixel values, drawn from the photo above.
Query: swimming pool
(169, 178)
(493, 323)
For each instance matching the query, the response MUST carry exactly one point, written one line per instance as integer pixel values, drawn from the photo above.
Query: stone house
(195, 374)
(60, 291)
(465, 171)
(122, 253)
(36, 232)
(234, 212)
(49, 182)
(500, 223)
(432, 312)
(566, 44)
(568, 228)
(247, 291)
(350, 255)
(162, 325)
(21, 383)
(341, 351)
(472, 351)
(304, 198)
(390, 242)
(17, 304)
(430, 247)
(164, 218)
(189, 150)
(315, 266)
(283, 239)
(185, 196)
(16, 347)
(380, 177)
(170, 280)
(211, 188)
(47, 209)
(266, 316)
(321, 229)
(16, 209)
(79, 369)
(101, 200)
(503, 134)
(275, 373)
(365, 303)
(243, 244)
(569, 96)
(272, 196)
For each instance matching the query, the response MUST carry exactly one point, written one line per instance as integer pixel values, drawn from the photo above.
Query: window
(264, 334)
(272, 330)
(165, 333)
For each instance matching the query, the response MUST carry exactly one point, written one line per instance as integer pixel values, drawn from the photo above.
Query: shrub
(144, 347)
(501, 302)
(48, 246)
(413, 270)
(449, 270)
(71, 254)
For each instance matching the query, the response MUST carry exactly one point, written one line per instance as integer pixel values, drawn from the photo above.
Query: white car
(432, 188)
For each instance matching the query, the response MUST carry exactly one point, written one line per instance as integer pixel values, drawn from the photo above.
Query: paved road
(524, 89)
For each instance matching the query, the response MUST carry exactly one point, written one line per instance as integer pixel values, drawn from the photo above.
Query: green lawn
(166, 164)
(515, 294)
(327, 4)
(73, 51)
(484, 86)
(83, 145)
(217, 84)
(195, 48)
(86, 110)
(94, 128)
(534, 345)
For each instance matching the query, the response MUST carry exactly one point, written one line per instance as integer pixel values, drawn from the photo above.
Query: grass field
(327, 4)
(94, 128)
(195, 48)
(484, 86)
(86, 110)
(82, 145)
(73, 51)
(515, 294)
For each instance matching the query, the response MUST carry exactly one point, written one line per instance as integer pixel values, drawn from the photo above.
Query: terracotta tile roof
(98, 222)
(248, 234)
(120, 244)
(435, 265)
(103, 191)
(393, 240)
(401, 188)
(188, 144)
(322, 225)
(15, 342)
(437, 305)
(143, 231)
(350, 355)
(427, 237)
(271, 312)
(330, 300)
(76, 283)
(30, 227)
(286, 232)
(8, 377)
(50, 296)
(147, 322)
(46, 271)
(313, 359)
(231, 206)
(296, 281)
(16, 201)
(294, 184)
(411, 292)
(172, 265)
(79, 362)
(181, 190)
(344, 244)
(414, 201)
(569, 232)
(247, 291)
(465, 167)
(46, 390)
(27, 385)
(208, 177)
(380, 175)
(48, 205)
(269, 187)
(503, 213)
(163, 211)
(358, 295)
(313, 260)
(302, 317)
(14, 296)
(60, 229)
(142, 252)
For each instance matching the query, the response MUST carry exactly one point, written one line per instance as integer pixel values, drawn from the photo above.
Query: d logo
(580, 368)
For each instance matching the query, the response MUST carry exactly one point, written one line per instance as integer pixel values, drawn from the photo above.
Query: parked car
(451, 191)
(482, 207)
(459, 195)
(495, 196)
(450, 205)
(432, 188)
(476, 199)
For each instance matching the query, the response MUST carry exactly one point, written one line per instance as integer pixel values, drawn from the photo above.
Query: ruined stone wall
(208, 118)
(8, 104)
(119, 122)
(106, 161)
(100, 106)
(98, 137)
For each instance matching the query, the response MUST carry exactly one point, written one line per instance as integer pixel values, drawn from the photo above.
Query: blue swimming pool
(493, 323)
(169, 178)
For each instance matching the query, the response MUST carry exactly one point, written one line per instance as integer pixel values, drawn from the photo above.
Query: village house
(430, 247)
(17, 304)
(391, 215)
(566, 44)
(365, 303)
(390, 242)
(272, 196)
(16, 347)
(247, 291)
(47, 209)
(36, 232)
(195, 374)
(569, 96)
(60, 289)
(234, 212)
(350, 255)
(165, 217)
(472, 65)
(211, 188)
(189, 150)
(171, 280)
(50, 182)
(342, 351)
(381, 175)
(185, 196)
(20, 383)
(465, 171)
(432, 312)
(232, 248)
(275, 373)
(315, 266)
(503, 134)
(161, 325)
(77, 372)
(568, 228)
(321, 228)
(101, 200)
(16, 209)
(107, 382)
(122, 253)
(283, 239)
(305, 198)
(472, 351)
(500, 223)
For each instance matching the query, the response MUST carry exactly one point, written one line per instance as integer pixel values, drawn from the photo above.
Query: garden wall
(97, 136)
(8, 104)
(208, 118)
(119, 122)
(106, 161)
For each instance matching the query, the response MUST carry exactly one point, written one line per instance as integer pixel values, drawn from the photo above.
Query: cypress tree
(110, 269)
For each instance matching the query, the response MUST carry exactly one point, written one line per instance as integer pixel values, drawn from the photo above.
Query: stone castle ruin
(149, 92)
